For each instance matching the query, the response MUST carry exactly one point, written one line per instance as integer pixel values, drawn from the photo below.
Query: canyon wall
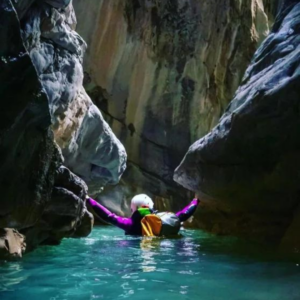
(89, 147)
(163, 72)
(48, 122)
(247, 167)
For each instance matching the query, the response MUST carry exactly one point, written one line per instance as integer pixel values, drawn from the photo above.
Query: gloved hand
(196, 199)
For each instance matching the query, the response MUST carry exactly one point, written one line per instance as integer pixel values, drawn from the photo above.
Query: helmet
(141, 200)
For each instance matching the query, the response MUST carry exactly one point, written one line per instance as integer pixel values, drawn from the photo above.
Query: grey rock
(64, 215)
(250, 160)
(64, 203)
(12, 244)
(89, 147)
(29, 157)
(65, 178)
(85, 225)
(42, 199)
(96, 154)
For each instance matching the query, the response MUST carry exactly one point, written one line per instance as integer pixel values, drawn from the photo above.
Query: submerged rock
(249, 163)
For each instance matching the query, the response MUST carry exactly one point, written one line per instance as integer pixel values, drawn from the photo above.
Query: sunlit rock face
(163, 72)
(12, 244)
(89, 147)
(30, 160)
(249, 163)
(41, 89)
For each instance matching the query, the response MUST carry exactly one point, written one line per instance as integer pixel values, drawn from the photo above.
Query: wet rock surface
(12, 244)
(29, 158)
(88, 145)
(249, 162)
(162, 72)
(41, 90)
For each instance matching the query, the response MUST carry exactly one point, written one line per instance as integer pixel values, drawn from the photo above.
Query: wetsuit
(133, 225)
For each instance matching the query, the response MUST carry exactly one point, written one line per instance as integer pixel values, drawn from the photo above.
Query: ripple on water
(109, 265)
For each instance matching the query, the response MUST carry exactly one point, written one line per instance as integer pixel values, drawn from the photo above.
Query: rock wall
(41, 91)
(163, 72)
(249, 163)
(89, 147)
(30, 159)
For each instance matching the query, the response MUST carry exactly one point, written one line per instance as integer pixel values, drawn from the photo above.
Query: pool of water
(109, 265)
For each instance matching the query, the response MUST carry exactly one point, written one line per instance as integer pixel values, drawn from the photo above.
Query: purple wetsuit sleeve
(108, 216)
(188, 211)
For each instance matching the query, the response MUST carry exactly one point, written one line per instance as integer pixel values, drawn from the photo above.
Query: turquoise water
(109, 265)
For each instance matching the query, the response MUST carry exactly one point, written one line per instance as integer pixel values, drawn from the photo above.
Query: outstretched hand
(198, 200)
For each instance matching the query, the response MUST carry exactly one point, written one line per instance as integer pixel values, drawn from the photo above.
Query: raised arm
(106, 215)
(188, 211)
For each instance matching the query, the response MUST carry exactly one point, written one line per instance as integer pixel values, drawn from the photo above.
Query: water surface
(110, 265)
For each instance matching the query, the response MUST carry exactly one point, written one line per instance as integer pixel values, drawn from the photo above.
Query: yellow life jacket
(159, 224)
(151, 225)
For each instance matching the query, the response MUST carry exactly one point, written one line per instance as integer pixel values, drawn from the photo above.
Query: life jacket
(159, 224)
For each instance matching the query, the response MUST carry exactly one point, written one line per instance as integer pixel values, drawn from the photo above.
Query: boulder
(64, 215)
(12, 244)
(249, 163)
(68, 180)
(88, 145)
(85, 226)
(41, 91)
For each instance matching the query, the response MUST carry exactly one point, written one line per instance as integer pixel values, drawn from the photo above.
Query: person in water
(141, 206)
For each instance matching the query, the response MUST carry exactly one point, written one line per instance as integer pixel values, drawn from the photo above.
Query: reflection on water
(152, 246)
(12, 272)
(109, 265)
(148, 255)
